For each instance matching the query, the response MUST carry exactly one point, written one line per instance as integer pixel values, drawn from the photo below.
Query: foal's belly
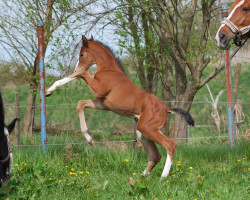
(123, 106)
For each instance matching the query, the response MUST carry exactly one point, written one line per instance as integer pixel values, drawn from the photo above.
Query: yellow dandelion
(178, 164)
(50, 179)
(126, 160)
(181, 172)
(70, 173)
(177, 169)
(173, 172)
(238, 160)
(173, 175)
(50, 174)
(195, 199)
(243, 158)
(81, 172)
(87, 172)
(67, 166)
(16, 165)
(60, 181)
(72, 169)
(198, 177)
(167, 181)
(212, 172)
(134, 174)
(191, 168)
(46, 163)
(249, 169)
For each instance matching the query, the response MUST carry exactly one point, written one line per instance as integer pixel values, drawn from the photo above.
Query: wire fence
(62, 119)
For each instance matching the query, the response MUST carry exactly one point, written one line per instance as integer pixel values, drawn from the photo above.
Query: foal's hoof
(91, 142)
(48, 93)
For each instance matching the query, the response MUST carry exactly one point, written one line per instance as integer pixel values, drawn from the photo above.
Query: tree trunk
(165, 97)
(179, 129)
(30, 110)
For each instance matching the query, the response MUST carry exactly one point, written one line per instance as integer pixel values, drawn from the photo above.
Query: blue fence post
(40, 33)
(230, 103)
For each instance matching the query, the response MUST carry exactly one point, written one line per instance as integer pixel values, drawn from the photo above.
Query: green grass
(211, 171)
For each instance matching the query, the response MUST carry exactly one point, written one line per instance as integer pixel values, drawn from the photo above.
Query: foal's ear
(84, 41)
(11, 126)
(91, 39)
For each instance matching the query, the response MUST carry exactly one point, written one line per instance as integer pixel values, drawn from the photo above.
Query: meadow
(74, 171)
(206, 168)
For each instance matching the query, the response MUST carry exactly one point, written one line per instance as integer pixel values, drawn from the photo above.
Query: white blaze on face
(217, 37)
(76, 66)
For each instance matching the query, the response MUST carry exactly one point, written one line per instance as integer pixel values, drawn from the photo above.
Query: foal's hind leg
(81, 105)
(147, 127)
(154, 155)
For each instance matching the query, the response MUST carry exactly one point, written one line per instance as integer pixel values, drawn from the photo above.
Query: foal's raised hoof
(48, 94)
(91, 142)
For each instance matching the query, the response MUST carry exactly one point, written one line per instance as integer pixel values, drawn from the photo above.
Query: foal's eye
(81, 55)
(245, 9)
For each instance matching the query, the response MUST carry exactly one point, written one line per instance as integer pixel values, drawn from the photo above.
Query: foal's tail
(184, 113)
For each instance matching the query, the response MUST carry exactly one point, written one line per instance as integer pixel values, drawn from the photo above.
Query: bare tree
(18, 21)
(181, 46)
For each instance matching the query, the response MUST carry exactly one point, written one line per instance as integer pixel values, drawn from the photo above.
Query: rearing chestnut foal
(115, 91)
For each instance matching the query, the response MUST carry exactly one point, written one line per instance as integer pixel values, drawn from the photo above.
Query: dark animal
(6, 158)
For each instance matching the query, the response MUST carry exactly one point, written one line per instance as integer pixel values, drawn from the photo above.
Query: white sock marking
(76, 66)
(145, 172)
(138, 133)
(166, 167)
(59, 83)
(87, 137)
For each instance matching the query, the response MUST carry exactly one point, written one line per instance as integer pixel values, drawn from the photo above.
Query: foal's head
(86, 56)
(236, 26)
(5, 151)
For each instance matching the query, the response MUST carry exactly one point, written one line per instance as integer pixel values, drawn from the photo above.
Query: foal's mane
(116, 57)
(1, 114)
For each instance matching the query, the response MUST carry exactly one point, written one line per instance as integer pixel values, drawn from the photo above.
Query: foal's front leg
(62, 82)
(97, 88)
(81, 105)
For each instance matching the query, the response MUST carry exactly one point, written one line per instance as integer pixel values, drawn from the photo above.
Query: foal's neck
(105, 59)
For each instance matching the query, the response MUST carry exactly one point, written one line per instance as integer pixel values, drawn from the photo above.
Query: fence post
(17, 127)
(40, 33)
(230, 114)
